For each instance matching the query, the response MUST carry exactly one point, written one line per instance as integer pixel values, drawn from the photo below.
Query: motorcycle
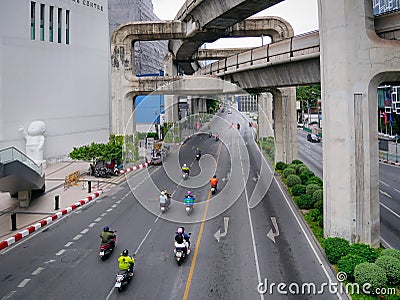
(165, 206)
(210, 135)
(107, 248)
(185, 175)
(238, 126)
(213, 190)
(180, 253)
(189, 203)
(122, 279)
(217, 138)
(198, 155)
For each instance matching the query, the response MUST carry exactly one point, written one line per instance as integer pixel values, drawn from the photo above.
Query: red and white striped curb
(17, 237)
(390, 162)
(145, 165)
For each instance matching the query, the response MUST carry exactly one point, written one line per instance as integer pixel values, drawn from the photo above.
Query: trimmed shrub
(314, 214)
(293, 166)
(318, 195)
(287, 172)
(365, 251)
(391, 252)
(311, 188)
(297, 162)
(307, 172)
(280, 165)
(315, 180)
(305, 201)
(391, 266)
(370, 273)
(321, 221)
(320, 206)
(298, 168)
(302, 169)
(303, 178)
(335, 248)
(292, 180)
(298, 189)
(348, 263)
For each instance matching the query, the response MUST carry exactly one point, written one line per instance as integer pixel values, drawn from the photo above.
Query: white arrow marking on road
(218, 234)
(386, 194)
(271, 234)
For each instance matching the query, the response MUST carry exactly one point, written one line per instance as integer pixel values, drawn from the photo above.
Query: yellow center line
(196, 251)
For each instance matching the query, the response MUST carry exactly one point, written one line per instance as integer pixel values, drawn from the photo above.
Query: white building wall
(66, 86)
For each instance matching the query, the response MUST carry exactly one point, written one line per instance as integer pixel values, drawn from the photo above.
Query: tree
(309, 93)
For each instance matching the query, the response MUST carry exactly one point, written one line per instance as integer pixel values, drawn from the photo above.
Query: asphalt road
(262, 236)
(389, 188)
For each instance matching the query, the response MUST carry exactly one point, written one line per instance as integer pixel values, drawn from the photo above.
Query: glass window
(42, 22)
(51, 24)
(67, 27)
(59, 20)
(33, 4)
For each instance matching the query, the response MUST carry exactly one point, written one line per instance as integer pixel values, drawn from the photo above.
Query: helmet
(215, 176)
(106, 228)
(189, 192)
(163, 193)
(125, 252)
(180, 230)
(184, 165)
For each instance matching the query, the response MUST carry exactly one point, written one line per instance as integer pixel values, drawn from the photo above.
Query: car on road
(313, 138)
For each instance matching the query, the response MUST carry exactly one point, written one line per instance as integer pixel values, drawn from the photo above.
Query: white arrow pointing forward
(218, 234)
(271, 234)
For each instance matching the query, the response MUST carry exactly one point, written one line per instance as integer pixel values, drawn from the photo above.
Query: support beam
(265, 101)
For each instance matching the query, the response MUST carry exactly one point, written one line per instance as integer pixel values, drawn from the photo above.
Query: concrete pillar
(265, 115)
(170, 101)
(24, 198)
(354, 60)
(285, 125)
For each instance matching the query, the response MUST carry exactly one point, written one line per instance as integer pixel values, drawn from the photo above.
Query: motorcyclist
(216, 136)
(214, 181)
(238, 126)
(107, 236)
(181, 236)
(189, 195)
(198, 151)
(185, 169)
(164, 198)
(126, 262)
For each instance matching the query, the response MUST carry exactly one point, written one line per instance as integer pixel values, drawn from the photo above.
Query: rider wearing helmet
(214, 181)
(107, 236)
(126, 262)
(185, 169)
(189, 195)
(198, 151)
(164, 198)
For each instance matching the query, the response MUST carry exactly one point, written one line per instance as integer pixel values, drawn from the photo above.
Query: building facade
(55, 67)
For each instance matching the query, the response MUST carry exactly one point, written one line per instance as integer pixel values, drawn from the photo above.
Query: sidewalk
(43, 206)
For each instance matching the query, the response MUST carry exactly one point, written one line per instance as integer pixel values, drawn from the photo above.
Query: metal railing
(12, 154)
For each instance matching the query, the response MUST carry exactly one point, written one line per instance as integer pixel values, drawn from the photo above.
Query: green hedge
(391, 252)
(348, 263)
(311, 188)
(391, 266)
(292, 180)
(365, 251)
(370, 273)
(305, 201)
(298, 189)
(315, 180)
(335, 248)
(320, 206)
(297, 162)
(280, 165)
(318, 195)
(287, 172)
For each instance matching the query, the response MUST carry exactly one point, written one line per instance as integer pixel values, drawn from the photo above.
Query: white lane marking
(24, 282)
(386, 244)
(9, 295)
(393, 212)
(251, 224)
(102, 215)
(60, 252)
(384, 193)
(155, 221)
(173, 193)
(37, 271)
(307, 238)
(113, 197)
(396, 190)
(110, 293)
(92, 225)
(108, 210)
(68, 244)
(118, 202)
(384, 183)
(50, 261)
(141, 243)
(98, 219)
(77, 237)
(84, 230)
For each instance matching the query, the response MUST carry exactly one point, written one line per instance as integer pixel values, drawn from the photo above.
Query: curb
(17, 237)
(389, 162)
(142, 166)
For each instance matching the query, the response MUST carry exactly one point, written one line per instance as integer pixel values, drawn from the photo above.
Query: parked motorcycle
(107, 248)
(122, 279)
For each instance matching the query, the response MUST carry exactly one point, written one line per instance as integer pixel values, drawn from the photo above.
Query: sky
(302, 15)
